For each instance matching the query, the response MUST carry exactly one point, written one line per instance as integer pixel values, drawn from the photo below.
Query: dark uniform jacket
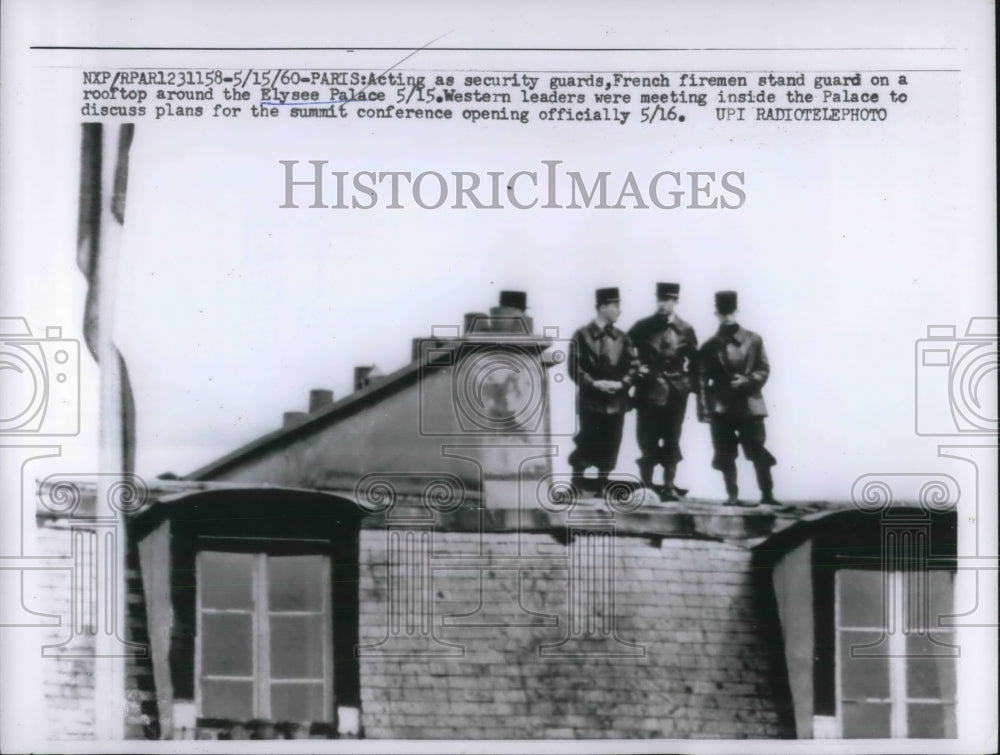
(668, 348)
(732, 351)
(597, 353)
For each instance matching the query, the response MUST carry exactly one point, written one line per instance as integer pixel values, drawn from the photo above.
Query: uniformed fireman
(733, 367)
(602, 362)
(667, 349)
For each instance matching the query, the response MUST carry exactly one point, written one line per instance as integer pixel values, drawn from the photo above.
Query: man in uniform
(603, 365)
(732, 369)
(668, 350)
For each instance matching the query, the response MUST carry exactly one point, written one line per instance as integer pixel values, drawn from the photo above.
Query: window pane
(929, 597)
(929, 721)
(942, 595)
(866, 720)
(930, 670)
(297, 702)
(227, 644)
(295, 583)
(227, 699)
(862, 597)
(226, 580)
(863, 677)
(296, 647)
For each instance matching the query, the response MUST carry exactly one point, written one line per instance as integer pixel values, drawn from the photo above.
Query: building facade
(405, 563)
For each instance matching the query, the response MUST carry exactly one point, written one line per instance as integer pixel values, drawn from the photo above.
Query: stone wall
(68, 678)
(67, 683)
(695, 649)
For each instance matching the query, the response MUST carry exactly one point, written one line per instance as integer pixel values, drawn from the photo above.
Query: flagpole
(109, 677)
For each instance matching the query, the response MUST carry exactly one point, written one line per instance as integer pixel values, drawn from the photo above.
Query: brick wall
(67, 683)
(707, 663)
(695, 651)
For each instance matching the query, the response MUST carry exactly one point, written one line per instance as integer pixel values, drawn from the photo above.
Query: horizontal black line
(489, 49)
(605, 71)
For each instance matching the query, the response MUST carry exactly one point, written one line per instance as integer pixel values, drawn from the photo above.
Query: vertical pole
(109, 671)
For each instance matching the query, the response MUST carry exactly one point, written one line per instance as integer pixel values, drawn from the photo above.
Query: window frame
(262, 550)
(897, 658)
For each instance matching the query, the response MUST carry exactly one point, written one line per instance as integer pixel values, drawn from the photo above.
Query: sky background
(853, 239)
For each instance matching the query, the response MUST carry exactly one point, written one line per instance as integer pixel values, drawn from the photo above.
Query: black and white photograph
(496, 378)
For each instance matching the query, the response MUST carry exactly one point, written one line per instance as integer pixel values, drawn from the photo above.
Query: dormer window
(252, 601)
(895, 668)
(264, 636)
(865, 605)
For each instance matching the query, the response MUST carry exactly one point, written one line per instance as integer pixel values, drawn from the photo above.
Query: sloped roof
(378, 389)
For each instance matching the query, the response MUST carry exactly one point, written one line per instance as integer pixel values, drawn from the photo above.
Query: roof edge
(354, 402)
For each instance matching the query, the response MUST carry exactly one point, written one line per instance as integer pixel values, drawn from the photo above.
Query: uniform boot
(670, 493)
(578, 481)
(602, 483)
(766, 484)
(732, 489)
(646, 474)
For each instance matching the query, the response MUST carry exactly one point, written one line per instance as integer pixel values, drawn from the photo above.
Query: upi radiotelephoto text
(653, 99)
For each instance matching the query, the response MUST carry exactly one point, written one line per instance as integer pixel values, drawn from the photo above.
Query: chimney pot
(361, 373)
(476, 322)
(514, 300)
(510, 316)
(510, 321)
(293, 419)
(319, 398)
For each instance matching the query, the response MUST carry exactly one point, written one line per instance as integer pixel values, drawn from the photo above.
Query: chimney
(361, 376)
(319, 398)
(510, 317)
(422, 343)
(476, 322)
(293, 419)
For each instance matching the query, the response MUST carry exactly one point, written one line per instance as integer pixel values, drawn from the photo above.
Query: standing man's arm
(692, 361)
(576, 372)
(633, 364)
(578, 365)
(637, 336)
(760, 369)
(701, 358)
